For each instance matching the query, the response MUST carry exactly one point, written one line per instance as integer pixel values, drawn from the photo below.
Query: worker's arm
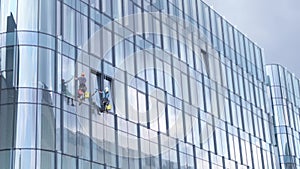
(69, 80)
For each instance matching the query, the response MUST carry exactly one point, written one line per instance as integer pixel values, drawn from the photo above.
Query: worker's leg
(102, 108)
(72, 102)
(68, 100)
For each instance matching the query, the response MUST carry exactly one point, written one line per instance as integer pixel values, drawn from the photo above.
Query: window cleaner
(105, 106)
(105, 99)
(66, 92)
(82, 91)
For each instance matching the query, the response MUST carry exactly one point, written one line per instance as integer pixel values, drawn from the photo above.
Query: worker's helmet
(82, 74)
(106, 89)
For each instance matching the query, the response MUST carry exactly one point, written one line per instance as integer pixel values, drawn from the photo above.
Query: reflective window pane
(69, 134)
(26, 126)
(6, 126)
(27, 15)
(69, 24)
(47, 16)
(25, 159)
(8, 8)
(46, 67)
(45, 160)
(5, 159)
(46, 127)
(28, 67)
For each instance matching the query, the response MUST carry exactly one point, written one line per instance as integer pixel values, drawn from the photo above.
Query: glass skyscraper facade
(187, 89)
(284, 89)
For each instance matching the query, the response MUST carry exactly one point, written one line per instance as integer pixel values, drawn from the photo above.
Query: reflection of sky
(12, 6)
(27, 14)
(28, 72)
(70, 122)
(172, 117)
(25, 126)
(171, 47)
(159, 109)
(83, 125)
(157, 113)
(2, 59)
(94, 86)
(133, 101)
(68, 73)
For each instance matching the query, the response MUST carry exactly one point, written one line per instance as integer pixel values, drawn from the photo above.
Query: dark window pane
(45, 127)
(5, 159)
(6, 126)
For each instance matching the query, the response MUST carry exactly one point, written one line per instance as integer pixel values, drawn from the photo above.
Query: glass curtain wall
(180, 98)
(284, 91)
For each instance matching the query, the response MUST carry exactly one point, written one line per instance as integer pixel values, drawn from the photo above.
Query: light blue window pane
(68, 162)
(47, 16)
(25, 159)
(8, 8)
(117, 8)
(69, 134)
(69, 24)
(106, 7)
(97, 143)
(83, 141)
(28, 67)
(84, 164)
(45, 160)
(27, 15)
(27, 38)
(68, 73)
(26, 126)
(46, 68)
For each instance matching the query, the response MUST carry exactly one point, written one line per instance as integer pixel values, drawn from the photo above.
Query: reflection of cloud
(157, 112)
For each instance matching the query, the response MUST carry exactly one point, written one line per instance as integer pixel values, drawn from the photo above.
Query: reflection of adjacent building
(8, 92)
(11, 54)
(11, 51)
(46, 118)
(10, 57)
(8, 84)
